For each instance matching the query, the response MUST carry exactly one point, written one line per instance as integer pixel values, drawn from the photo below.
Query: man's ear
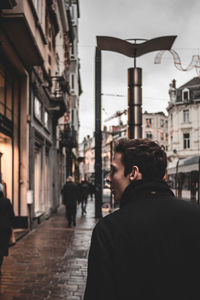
(135, 174)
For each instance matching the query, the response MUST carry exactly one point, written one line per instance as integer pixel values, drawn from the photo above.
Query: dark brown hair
(150, 158)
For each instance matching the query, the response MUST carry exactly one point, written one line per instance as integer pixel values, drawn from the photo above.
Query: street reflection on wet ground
(50, 262)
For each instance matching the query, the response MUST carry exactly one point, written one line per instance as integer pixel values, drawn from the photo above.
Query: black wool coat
(6, 221)
(148, 249)
(70, 193)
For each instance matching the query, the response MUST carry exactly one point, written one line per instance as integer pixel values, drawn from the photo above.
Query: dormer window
(185, 95)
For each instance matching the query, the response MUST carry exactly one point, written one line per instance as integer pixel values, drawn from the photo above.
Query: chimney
(174, 83)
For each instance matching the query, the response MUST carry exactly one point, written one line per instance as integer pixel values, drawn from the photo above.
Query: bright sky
(126, 19)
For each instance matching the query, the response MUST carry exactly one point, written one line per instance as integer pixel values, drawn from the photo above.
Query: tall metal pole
(134, 50)
(134, 103)
(98, 136)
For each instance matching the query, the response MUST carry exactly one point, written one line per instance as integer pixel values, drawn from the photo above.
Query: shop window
(6, 164)
(6, 88)
(37, 179)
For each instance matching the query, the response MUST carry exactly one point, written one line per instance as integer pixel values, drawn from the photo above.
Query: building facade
(155, 127)
(34, 95)
(184, 122)
(69, 123)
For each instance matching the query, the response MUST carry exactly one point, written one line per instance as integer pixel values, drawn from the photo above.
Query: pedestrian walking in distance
(6, 224)
(84, 192)
(70, 196)
(150, 247)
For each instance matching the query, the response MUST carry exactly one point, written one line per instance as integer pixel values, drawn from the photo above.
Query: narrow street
(50, 262)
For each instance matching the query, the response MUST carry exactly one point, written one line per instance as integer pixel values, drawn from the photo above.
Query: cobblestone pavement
(50, 263)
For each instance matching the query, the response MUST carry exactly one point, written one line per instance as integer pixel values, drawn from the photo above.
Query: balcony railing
(68, 137)
(58, 87)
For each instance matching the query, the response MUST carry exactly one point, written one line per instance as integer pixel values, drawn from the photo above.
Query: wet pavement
(50, 263)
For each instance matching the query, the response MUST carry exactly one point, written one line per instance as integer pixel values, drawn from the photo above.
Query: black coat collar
(145, 187)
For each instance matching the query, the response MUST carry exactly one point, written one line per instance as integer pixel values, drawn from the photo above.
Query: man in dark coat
(6, 222)
(150, 247)
(70, 195)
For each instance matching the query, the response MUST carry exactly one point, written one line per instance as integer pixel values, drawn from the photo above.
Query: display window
(37, 179)
(6, 164)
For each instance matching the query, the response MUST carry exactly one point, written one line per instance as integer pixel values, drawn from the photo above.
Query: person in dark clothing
(6, 223)
(70, 195)
(150, 247)
(84, 191)
(91, 190)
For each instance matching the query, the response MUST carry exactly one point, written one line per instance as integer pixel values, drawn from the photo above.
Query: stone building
(155, 127)
(69, 123)
(35, 42)
(184, 122)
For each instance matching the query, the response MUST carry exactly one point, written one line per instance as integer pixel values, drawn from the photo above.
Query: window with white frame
(38, 8)
(149, 122)
(37, 109)
(72, 82)
(186, 140)
(73, 13)
(72, 49)
(186, 116)
(161, 122)
(162, 135)
(149, 135)
(185, 95)
(46, 119)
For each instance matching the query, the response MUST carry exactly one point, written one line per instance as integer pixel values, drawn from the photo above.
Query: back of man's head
(150, 158)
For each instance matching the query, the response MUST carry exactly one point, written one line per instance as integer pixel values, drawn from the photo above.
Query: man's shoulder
(108, 221)
(69, 183)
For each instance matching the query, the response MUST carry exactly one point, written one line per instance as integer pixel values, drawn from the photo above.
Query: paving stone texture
(49, 263)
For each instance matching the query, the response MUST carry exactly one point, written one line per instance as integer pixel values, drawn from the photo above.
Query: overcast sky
(127, 19)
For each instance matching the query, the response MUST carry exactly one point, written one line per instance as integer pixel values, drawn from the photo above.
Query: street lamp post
(134, 102)
(98, 136)
(133, 50)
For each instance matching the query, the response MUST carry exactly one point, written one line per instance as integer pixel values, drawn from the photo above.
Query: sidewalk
(49, 263)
